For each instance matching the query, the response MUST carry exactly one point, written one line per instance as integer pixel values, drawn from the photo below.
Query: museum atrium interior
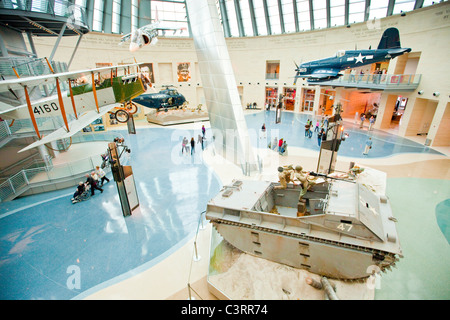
(183, 104)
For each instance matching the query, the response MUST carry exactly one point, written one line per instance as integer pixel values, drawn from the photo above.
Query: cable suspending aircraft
(88, 101)
(329, 68)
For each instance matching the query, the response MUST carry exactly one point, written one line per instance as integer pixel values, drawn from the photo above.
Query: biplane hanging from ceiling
(89, 97)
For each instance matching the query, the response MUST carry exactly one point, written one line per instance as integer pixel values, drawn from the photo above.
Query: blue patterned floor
(292, 128)
(42, 237)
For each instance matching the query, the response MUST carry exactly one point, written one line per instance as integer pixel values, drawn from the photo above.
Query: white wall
(426, 31)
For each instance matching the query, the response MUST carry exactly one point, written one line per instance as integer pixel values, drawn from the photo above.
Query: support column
(385, 110)
(439, 132)
(317, 98)
(220, 88)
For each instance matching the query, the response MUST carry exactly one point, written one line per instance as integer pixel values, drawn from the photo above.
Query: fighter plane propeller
(89, 101)
(329, 68)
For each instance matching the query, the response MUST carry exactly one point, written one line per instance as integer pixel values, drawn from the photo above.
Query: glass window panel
(320, 13)
(246, 18)
(134, 14)
(378, 9)
(403, 5)
(260, 17)
(288, 15)
(232, 20)
(171, 15)
(98, 15)
(356, 10)
(116, 16)
(427, 3)
(274, 17)
(337, 13)
(304, 18)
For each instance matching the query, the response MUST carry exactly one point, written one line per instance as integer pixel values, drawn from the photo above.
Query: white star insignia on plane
(359, 58)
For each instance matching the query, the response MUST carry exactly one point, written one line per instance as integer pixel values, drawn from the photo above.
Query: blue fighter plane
(164, 99)
(329, 68)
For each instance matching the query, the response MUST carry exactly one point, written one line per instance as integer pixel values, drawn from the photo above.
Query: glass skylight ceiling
(241, 18)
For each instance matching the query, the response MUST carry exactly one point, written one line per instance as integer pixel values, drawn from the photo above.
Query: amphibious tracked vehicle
(347, 231)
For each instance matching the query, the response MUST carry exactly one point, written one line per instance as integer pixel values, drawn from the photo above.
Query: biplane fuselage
(118, 90)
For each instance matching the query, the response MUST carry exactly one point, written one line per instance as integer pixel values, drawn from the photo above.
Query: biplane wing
(95, 104)
(75, 126)
(20, 83)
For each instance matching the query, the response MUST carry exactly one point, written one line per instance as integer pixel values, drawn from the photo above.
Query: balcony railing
(394, 82)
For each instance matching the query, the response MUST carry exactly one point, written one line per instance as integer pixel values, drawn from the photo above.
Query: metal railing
(27, 67)
(383, 81)
(57, 8)
(45, 172)
(22, 127)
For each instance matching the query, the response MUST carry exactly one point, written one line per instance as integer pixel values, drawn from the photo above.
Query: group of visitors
(376, 76)
(94, 181)
(187, 145)
(319, 128)
(279, 145)
(363, 119)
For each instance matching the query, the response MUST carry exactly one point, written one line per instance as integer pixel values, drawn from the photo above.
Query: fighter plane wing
(16, 84)
(75, 126)
(322, 73)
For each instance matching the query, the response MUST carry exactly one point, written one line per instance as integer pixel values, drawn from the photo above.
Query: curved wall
(426, 31)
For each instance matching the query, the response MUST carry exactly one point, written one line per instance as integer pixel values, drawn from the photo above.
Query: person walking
(307, 126)
(183, 145)
(363, 118)
(320, 136)
(200, 140)
(192, 145)
(371, 122)
(101, 175)
(90, 180)
(280, 144)
(203, 131)
(368, 146)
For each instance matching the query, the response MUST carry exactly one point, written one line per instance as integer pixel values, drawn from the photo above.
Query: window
(357, 10)
(116, 16)
(288, 15)
(246, 19)
(172, 15)
(134, 15)
(378, 9)
(320, 14)
(272, 70)
(260, 17)
(403, 6)
(97, 23)
(304, 20)
(232, 20)
(274, 17)
(337, 13)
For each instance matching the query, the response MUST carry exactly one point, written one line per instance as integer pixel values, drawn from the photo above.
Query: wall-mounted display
(99, 128)
(183, 71)
(147, 71)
